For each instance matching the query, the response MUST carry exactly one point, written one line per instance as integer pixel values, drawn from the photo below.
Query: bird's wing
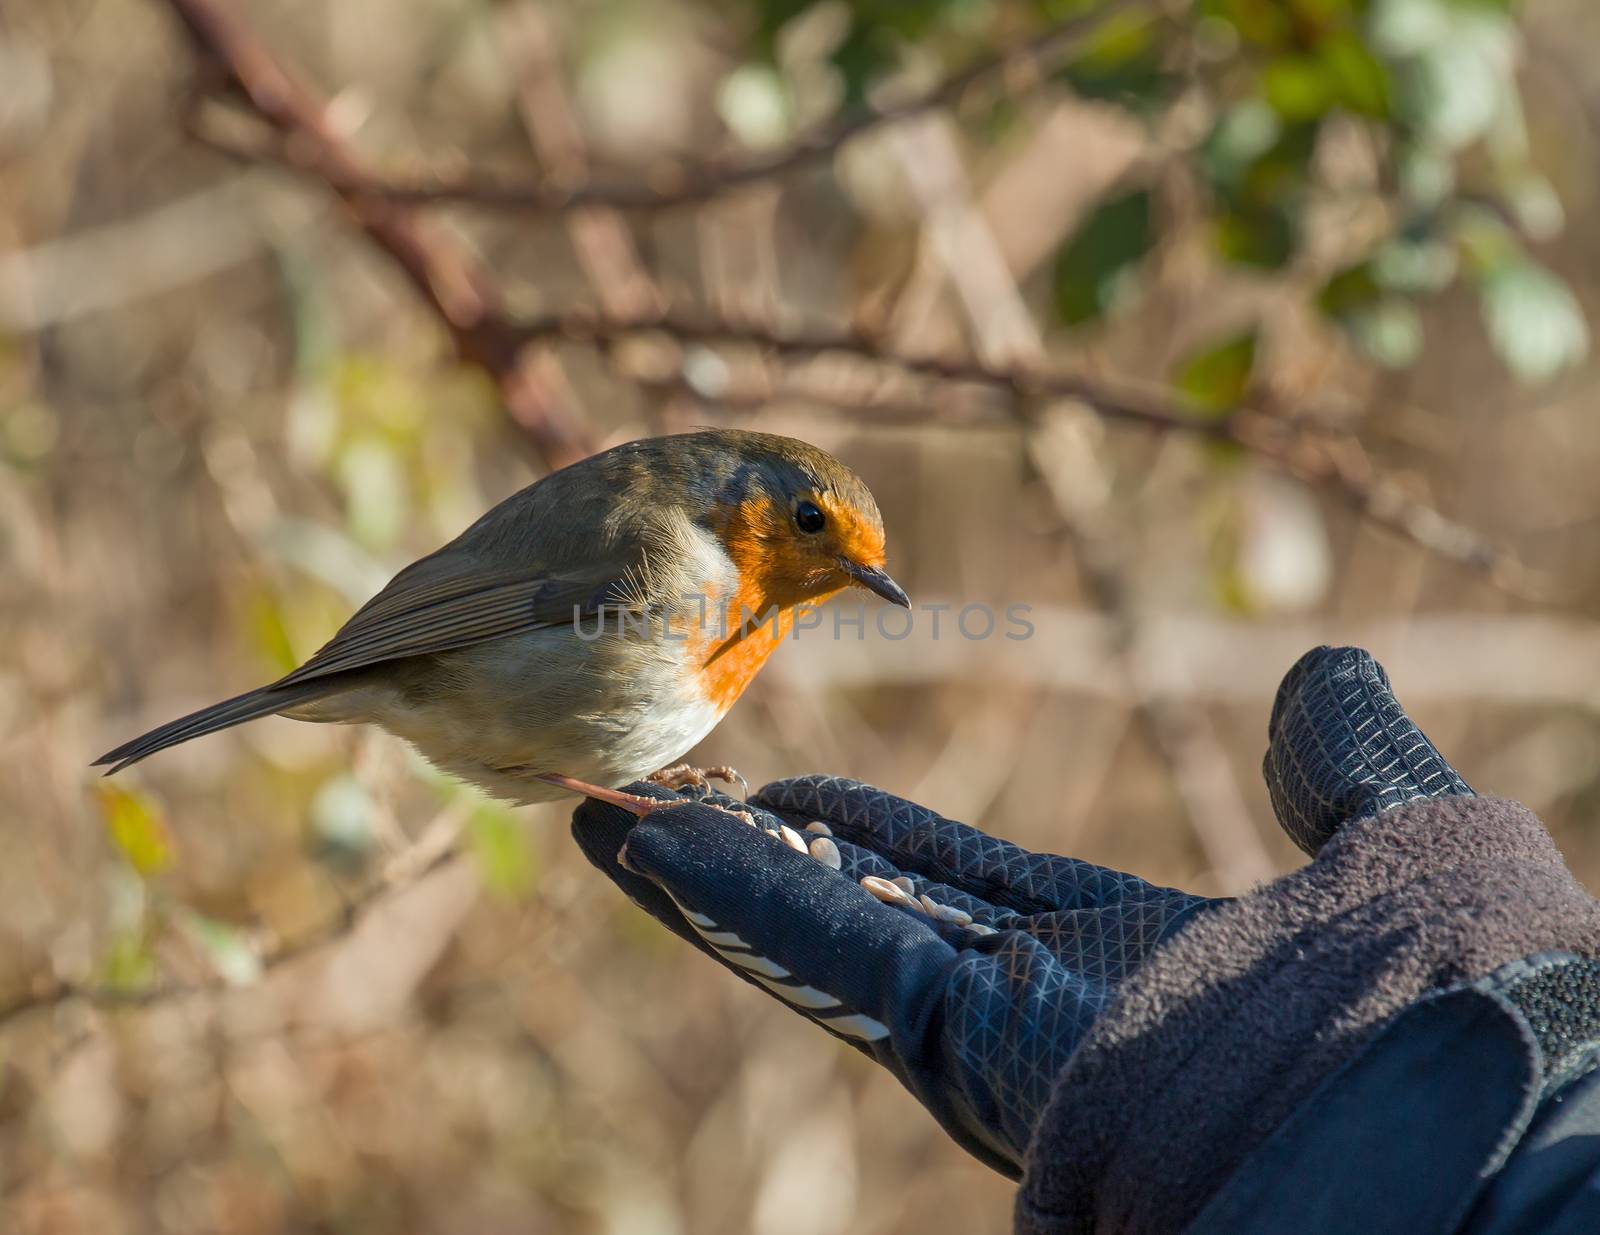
(443, 602)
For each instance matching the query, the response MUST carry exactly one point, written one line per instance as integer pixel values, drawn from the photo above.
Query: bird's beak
(875, 580)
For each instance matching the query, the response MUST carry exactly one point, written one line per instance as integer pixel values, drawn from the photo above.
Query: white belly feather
(609, 710)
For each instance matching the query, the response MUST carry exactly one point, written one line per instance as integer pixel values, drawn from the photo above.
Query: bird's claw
(683, 775)
(633, 803)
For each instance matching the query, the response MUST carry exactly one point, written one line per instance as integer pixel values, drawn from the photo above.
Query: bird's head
(797, 523)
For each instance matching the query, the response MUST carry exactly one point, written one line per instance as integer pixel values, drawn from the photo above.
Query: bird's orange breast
(740, 632)
(728, 664)
(735, 638)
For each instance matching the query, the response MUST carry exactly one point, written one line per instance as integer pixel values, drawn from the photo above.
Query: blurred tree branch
(681, 186)
(467, 300)
(1070, 466)
(600, 236)
(1308, 446)
(450, 278)
(435, 849)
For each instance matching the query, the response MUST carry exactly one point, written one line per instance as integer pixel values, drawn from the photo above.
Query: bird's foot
(683, 775)
(633, 803)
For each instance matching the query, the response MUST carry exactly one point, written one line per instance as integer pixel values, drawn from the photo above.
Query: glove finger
(976, 1028)
(1013, 1017)
(922, 842)
(812, 937)
(601, 831)
(1340, 747)
(1104, 944)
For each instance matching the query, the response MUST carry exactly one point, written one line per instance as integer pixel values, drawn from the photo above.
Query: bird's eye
(808, 518)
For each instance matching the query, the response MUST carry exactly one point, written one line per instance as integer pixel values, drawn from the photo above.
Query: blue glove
(1340, 747)
(976, 997)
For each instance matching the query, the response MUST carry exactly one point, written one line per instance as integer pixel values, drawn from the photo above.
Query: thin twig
(600, 236)
(467, 301)
(404, 871)
(453, 282)
(1150, 406)
(1307, 446)
(680, 186)
(1079, 482)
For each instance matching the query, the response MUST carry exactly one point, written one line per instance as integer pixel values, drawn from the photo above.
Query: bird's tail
(263, 701)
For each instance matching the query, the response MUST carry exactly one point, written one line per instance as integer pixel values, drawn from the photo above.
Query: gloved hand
(976, 1019)
(1340, 747)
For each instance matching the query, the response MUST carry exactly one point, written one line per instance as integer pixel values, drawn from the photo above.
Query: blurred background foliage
(225, 420)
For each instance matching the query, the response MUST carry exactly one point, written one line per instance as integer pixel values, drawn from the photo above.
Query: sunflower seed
(944, 913)
(978, 928)
(792, 838)
(826, 852)
(905, 885)
(772, 832)
(888, 893)
(820, 828)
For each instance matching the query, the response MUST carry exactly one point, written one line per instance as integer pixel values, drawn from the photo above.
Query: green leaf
(1416, 262)
(1390, 332)
(1216, 378)
(1262, 22)
(1258, 168)
(1298, 87)
(1242, 134)
(1533, 200)
(1354, 288)
(231, 955)
(1092, 268)
(1278, 177)
(1122, 61)
(341, 822)
(1261, 237)
(136, 827)
(1386, 327)
(271, 632)
(129, 962)
(877, 33)
(861, 58)
(1358, 79)
(1534, 320)
(500, 846)
(1425, 174)
(1453, 66)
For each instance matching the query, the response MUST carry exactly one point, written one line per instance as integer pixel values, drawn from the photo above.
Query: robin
(593, 627)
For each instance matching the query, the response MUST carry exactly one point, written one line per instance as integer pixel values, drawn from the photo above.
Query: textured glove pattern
(1340, 747)
(1018, 1002)
(975, 1019)
(976, 1012)
(1099, 923)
